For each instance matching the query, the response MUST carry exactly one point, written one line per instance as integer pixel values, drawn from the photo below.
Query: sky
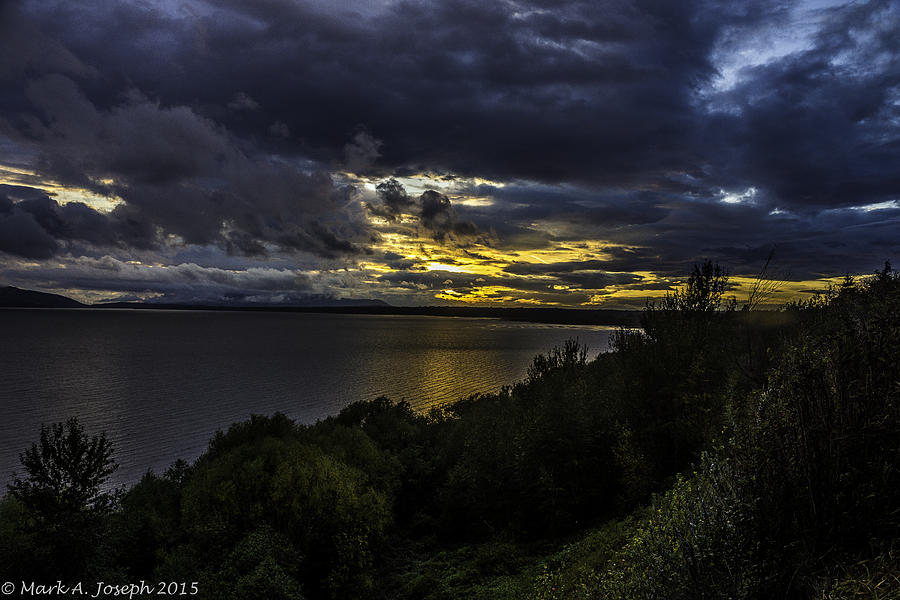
(502, 153)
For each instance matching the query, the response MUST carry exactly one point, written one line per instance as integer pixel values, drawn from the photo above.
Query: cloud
(280, 129)
(20, 234)
(584, 274)
(185, 282)
(361, 152)
(435, 211)
(607, 95)
(437, 215)
(25, 48)
(39, 227)
(183, 175)
(818, 128)
(221, 125)
(243, 101)
(394, 201)
(607, 87)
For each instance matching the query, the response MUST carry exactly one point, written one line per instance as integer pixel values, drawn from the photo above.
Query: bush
(876, 578)
(324, 507)
(699, 541)
(810, 475)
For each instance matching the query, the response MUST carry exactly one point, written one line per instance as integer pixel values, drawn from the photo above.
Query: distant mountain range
(11, 297)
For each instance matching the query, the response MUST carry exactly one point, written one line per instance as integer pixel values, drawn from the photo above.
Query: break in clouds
(399, 149)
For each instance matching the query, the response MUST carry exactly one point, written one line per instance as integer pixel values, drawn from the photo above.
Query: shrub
(324, 507)
(699, 541)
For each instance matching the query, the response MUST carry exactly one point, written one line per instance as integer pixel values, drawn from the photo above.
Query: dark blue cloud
(220, 122)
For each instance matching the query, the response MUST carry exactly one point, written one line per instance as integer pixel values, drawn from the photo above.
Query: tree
(63, 498)
(677, 372)
(703, 291)
(66, 470)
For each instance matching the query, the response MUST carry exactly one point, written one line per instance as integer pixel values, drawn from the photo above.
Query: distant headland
(12, 297)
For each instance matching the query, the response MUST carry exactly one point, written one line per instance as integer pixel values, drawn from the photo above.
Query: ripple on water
(161, 383)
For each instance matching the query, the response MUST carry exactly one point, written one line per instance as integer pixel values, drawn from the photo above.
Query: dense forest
(718, 452)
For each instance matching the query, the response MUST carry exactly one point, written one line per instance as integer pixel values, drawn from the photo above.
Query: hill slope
(13, 297)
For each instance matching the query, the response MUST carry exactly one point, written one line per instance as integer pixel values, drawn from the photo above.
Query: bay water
(160, 383)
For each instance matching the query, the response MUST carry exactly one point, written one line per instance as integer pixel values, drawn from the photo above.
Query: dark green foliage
(65, 471)
(57, 509)
(392, 426)
(549, 440)
(574, 572)
(809, 478)
(561, 362)
(257, 428)
(264, 564)
(699, 542)
(149, 522)
(874, 578)
(679, 382)
(766, 445)
(404, 446)
(825, 436)
(674, 377)
(489, 571)
(19, 552)
(322, 506)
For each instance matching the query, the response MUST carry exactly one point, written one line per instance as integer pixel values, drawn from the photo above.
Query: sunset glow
(585, 176)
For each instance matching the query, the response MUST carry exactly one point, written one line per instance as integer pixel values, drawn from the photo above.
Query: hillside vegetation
(718, 452)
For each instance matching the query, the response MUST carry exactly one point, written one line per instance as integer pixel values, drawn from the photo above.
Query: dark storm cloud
(178, 172)
(21, 192)
(435, 211)
(530, 202)
(588, 274)
(184, 174)
(580, 90)
(807, 246)
(217, 122)
(362, 152)
(394, 201)
(139, 140)
(820, 127)
(39, 227)
(21, 234)
(439, 217)
(440, 280)
(28, 48)
(186, 282)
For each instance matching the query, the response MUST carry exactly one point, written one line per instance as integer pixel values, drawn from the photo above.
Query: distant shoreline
(557, 316)
(11, 297)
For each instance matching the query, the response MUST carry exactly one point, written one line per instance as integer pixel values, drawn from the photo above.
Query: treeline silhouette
(714, 453)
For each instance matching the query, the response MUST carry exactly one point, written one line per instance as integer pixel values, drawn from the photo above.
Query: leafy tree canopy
(66, 469)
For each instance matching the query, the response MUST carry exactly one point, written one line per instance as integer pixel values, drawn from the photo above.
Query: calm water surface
(161, 383)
